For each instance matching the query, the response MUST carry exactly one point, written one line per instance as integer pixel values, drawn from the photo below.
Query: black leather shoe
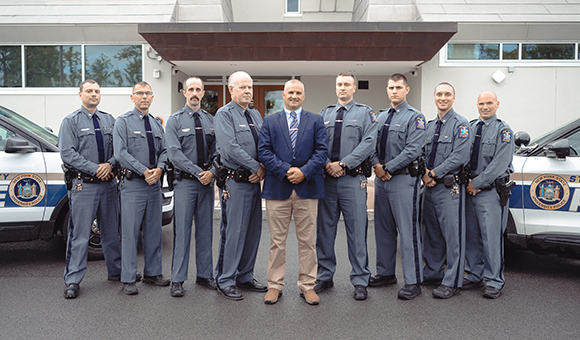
(320, 286)
(209, 283)
(231, 292)
(491, 292)
(158, 280)
(138, 277)
(71, 291)
(177, 289)
(254, 285)
(471, 285)
(427, 281)
(130, 288)
(445, 292)
(409, 292)
(382, 280)
(360, 292)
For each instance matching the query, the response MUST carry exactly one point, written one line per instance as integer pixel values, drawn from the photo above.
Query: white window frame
(65, 90)
(292, 14)
(444, 62)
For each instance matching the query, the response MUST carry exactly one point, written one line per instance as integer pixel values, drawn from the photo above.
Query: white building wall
(532, 99)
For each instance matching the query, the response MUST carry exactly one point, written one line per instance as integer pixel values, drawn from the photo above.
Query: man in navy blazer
(293, 148)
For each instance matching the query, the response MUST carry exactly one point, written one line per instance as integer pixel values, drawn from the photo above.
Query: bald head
(487, 105)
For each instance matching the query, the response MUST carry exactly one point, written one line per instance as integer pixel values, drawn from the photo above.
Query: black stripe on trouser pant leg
(415, 228)
(222, 245)
(459, 273)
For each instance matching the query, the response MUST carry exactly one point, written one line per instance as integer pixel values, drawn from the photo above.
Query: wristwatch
(342, 165)
(430, 174)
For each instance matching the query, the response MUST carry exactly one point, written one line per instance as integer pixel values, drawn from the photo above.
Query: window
(113, 66)
(511, 51)
(292, 6)
(10, 66)
(496, 53)
(53, 66)
(548, 51)
(473, 51)
(62, 65)
(4, 135)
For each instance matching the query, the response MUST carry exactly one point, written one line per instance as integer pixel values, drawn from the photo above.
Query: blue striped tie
(293, 130)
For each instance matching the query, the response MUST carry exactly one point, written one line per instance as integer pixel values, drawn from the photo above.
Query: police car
(545, 202)
(33, 197)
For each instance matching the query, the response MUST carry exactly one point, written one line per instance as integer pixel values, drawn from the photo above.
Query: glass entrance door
(267, 98)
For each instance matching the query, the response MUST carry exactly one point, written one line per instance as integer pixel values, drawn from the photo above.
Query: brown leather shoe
(272, 296)
(310, 297)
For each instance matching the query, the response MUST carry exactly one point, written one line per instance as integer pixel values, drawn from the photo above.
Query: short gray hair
(233, 78)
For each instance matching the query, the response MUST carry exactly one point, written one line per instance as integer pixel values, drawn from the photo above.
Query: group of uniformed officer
(197, 148)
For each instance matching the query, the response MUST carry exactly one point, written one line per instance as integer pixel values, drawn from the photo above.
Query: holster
(504, 188)
(68, 176)
(417, 167)
(242, 175)
(170, 171)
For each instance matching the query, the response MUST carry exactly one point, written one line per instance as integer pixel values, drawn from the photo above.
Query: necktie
(293, 129)
(476, 144)
(335, 155)
(384, 135)
(99, 135)
(431, 161)
(252, 127)
(199, 140)
(149, 133)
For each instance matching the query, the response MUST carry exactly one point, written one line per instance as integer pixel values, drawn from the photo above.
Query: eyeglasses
(141, 93)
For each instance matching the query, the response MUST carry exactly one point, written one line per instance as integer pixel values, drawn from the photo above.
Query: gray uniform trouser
(192, 199)
(397, 209)
(486, 222)
(344, 195)
(140, 210)
(98, 200)
(240, 231)
(444, 234)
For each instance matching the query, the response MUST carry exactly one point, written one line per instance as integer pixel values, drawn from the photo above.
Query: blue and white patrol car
(544, 206)
(33, 197)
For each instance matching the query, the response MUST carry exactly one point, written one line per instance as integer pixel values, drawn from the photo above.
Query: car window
(574, 140)
(4, 135)
(28, 124)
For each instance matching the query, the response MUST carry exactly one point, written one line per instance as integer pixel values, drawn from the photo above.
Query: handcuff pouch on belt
(242, 175)
(365, 168)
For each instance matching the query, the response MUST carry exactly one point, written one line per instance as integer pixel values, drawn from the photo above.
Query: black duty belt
(187, 175)
(401, 171)
(86, 178)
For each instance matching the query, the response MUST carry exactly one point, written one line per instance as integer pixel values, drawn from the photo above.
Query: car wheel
(95, 250)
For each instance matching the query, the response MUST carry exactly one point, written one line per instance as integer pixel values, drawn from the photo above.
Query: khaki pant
(279, 217)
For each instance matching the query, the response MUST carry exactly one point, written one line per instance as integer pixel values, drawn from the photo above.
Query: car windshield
(20, 120)
(545, 138)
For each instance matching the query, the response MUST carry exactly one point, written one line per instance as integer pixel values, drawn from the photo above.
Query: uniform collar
(489, 120)
(347, 106)
(190, 111)
(403, 106)
(239, 108)
(89, 113)
(139, 113)
(448, 116)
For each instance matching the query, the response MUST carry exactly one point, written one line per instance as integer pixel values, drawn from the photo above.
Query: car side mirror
(522, 138)
(18, 145)
(558, 149)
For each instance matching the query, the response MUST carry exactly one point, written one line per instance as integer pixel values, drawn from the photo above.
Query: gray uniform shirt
(77, 140)
(454, 145)
(495, 152)
(130, 141)
(359, 132)
(234, 140)
(181, 142)
(405, 139)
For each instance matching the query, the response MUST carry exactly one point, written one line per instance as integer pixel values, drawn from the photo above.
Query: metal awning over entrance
(327, 44)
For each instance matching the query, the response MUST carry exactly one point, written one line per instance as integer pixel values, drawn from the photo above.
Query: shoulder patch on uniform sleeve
(373, 116)
(463, 131)
(506, 136)
(420, 123)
